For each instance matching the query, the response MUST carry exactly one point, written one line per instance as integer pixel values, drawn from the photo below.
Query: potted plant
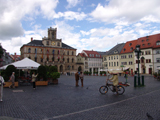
(54, 74)
(42, 76)
(8, 73)
(101, 73)
(104, 73)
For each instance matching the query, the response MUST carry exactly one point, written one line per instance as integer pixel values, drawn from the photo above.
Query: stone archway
(61, 68)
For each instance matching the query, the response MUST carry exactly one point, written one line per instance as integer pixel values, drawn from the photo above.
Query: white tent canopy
(25, 63)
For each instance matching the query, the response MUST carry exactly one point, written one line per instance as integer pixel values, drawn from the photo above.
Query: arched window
(53, 58)
(29, 50)
(35, 59)
(47, 59)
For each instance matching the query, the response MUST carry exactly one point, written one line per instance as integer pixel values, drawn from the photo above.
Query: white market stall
(25, 63)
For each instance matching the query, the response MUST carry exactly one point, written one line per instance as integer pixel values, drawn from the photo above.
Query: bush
(42, 72)
(8, 72)
(53, 69)
(55, 75)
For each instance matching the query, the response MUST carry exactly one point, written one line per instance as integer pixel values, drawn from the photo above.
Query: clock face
(53, 43)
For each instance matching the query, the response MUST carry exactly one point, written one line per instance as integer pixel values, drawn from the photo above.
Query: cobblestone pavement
(67, 102)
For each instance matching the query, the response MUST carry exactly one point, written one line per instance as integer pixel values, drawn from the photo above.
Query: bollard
(135, 81)
(139, 81)
(142, 80)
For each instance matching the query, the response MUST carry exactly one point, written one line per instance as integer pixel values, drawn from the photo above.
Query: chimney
(14, 53)
(31, 38)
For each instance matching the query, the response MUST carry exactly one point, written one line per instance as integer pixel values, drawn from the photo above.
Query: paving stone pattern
(67, 102)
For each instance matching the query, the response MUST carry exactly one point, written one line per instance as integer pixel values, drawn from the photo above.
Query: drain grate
(18, 91)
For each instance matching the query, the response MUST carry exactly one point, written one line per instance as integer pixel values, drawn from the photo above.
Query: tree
(1, 51)
(42, 72)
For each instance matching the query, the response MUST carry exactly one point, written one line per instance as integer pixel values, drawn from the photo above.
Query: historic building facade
(51, 51)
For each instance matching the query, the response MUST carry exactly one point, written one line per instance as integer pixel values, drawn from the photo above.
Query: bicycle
(104, 88)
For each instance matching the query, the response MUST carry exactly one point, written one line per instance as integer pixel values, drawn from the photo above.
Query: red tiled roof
(93, 54)
(129, 46)
(82, 54)
(144, 42)
(148, 41)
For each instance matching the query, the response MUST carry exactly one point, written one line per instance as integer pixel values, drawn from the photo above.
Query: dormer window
(143, 45)
(130, 44)
(149, 43)
(158, 43)
(124, 49)
(142, 40)
(115, 51)
(131, 48)
(147, 40)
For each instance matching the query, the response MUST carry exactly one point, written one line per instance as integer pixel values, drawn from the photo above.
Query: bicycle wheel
(120, 90)
(103, 89)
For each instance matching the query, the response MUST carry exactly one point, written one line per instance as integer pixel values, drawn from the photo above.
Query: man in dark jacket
(77, 78)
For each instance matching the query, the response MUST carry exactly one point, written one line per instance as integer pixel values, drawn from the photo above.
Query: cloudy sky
(83, 24)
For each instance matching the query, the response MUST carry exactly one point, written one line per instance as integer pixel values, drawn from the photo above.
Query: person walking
(81, 77)
(1, 87)
(34, 80)
(12, 79)
(77, 78)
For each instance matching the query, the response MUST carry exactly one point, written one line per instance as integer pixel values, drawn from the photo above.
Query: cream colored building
(51, 51)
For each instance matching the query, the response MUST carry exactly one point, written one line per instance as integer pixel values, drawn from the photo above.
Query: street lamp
(138, 54)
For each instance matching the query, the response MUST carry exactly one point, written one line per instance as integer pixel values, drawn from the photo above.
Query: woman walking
(34, 80)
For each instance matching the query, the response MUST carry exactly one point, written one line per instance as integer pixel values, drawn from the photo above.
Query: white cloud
(128, 10)
(70, 15)
(72, 3)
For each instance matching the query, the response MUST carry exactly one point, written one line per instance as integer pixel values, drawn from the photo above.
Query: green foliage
(55, 75)
(86, 72)
(53, 69)
(155, 74)
(8, 72)
(42, 72)
(1, 51)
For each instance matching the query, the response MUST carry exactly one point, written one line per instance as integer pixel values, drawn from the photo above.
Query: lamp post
(138, 54)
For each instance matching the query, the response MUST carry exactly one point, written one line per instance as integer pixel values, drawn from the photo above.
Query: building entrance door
(150, 70)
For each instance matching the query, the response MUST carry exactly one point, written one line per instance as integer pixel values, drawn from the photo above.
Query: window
(130, 44)
(52, 58)
(114, 63)
(114, 57)
(58, 44)
(158, 43)
(47, 59)
(158, 60)
(149, 44)
(72, 60)
(130, 63)
(142, 52)
(142, 40)
(157, 51)
(117, 56)
(35, 59)
(124, 49)
(142, 60)
(47, 42)
(137, 61)
(72, 67)
(109, 58)
(29, 50)
(109, 64)
(68, 60)
(58, 52)
(129, 56)
(143, 44)
(131, 48)
(148, 60)
(58, 59)
(72, 53)
(41, 59)
(147, 52)
(147, 40)
(117, 63)
(123, 63)
(68, 53)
